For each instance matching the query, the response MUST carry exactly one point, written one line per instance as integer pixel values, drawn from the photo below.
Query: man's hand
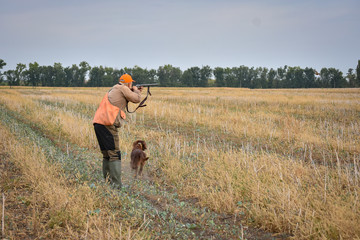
(136, 88)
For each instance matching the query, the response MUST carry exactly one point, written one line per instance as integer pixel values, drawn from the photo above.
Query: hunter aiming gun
(148, 85)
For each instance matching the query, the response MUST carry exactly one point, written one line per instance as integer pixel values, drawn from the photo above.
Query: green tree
(59, 75)
(2, 64)
(108, 78)
(47, 76)
(19, 74)
(271, 78)
(351, 77)
(81, 76)
(292, 78)
(191, 77)
(299, 81)
(230, 77)
(332, 78)
(153, 78)
(141, 75)
(169, 76)
(186, 79)
(219, 77)
(236, 78)
(256, 79)
(309, 78)
(32, 75)
(263, 77)
(205, 74)
(251, 78)
(96, 77)
(280, 77)
(337, 79)
(325, 81)
(10, 77)
(241, 74)
(71, 75)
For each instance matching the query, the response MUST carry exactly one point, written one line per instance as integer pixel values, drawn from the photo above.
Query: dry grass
(55, 207)
(287, 159)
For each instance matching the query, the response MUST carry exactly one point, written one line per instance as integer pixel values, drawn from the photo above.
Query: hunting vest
(106, 112)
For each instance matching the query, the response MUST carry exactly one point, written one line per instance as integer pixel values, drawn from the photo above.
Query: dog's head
(139, 144)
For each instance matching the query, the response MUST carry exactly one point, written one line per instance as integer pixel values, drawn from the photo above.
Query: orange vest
(106, 112)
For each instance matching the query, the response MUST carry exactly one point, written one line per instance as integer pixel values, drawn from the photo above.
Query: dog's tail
(142, 142)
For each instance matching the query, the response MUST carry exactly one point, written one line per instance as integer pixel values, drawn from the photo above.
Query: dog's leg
(135, 170)
(141, 168)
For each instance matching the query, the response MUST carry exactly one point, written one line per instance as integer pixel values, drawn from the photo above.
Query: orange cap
(126, 78)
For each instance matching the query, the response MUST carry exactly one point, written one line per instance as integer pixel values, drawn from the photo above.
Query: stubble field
(224, 164)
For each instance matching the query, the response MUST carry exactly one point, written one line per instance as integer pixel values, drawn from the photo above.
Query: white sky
(183, 33)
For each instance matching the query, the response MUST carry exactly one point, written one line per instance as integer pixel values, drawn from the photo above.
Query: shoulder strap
(141, 104)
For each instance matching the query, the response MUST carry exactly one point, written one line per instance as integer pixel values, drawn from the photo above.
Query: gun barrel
(147, 85)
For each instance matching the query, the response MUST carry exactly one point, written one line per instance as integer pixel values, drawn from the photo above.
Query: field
(224, 164)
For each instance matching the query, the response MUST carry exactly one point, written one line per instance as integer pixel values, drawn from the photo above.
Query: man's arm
(132, 96)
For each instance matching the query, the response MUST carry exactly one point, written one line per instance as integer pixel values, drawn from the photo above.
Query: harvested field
(224, 164)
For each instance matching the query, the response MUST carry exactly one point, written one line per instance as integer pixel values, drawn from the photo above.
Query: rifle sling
(141, 104)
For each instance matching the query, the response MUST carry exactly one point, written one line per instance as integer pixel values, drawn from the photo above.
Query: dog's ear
(143, 145)
(146, 159)
(138, 143)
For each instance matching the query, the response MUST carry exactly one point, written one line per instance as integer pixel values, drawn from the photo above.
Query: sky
(183, 33)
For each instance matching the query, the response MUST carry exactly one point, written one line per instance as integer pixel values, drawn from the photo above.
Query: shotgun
(148, 85)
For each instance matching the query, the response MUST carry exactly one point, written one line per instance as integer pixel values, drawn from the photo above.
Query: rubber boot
(115, 173)
(105, 168)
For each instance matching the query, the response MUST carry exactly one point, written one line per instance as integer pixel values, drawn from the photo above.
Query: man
(108, 118)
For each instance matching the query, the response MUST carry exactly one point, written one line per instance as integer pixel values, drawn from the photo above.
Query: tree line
(83, 75)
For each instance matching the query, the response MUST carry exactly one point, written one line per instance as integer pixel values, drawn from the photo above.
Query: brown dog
(138, 157)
